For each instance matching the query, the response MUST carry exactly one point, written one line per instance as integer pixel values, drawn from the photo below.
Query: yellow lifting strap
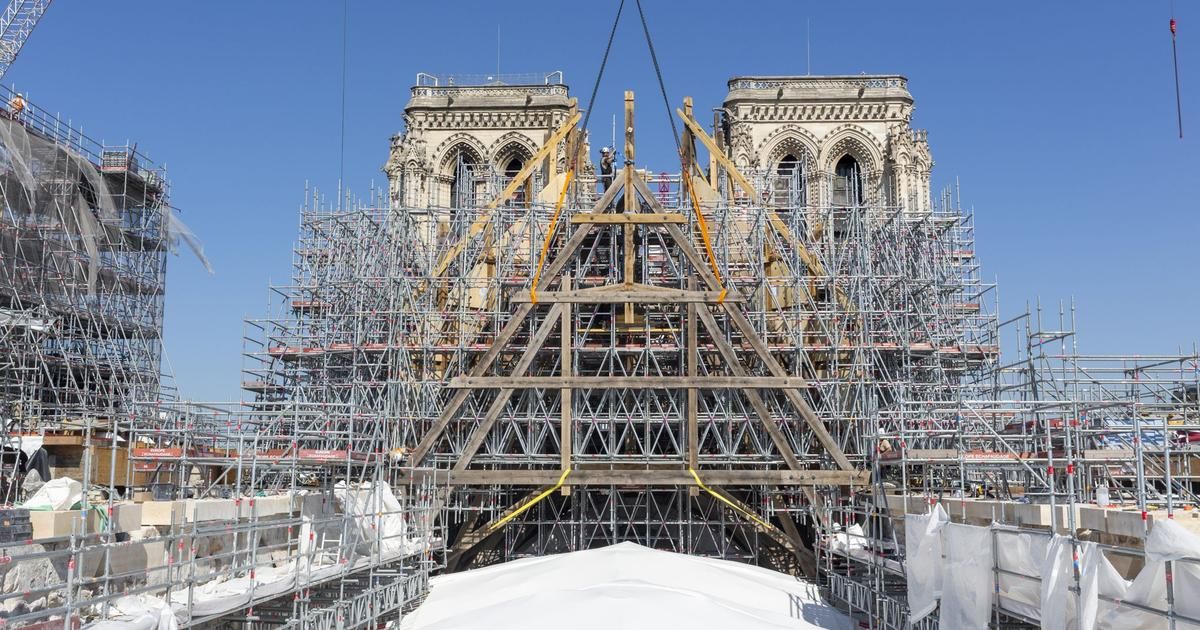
(562, 195)
(687, 178)
(747, 513)
(500, 523)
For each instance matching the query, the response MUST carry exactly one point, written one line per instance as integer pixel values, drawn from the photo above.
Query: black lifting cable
(661, 85)
(603, 62)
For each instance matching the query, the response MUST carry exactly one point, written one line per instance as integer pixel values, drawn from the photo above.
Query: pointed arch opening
(847, 182)
(789, 189)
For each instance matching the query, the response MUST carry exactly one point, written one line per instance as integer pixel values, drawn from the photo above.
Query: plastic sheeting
(40, 166)
(968, 582)
(379, 515)
(137, 612)
(1167, 541)
(622, 586)
(1038, 573)
(57, 494)
(923, 560)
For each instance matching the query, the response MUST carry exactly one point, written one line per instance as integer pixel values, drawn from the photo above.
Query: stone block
(211, 510)
(127, 517)
(1126, 523)
(56, 523)
(1093, 518)
(162, 512)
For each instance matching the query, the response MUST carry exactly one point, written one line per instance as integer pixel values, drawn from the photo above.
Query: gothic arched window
(789, 182)
(847, 182)
(511, 170)
(462, 180)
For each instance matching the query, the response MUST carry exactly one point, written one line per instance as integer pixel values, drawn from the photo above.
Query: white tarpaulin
(968, 582)
(923, 560)
(1057, 600)
(1020, 556)
(137, 612)
(379, 515)
(57, 494)
(623, 586)
(1167, 541)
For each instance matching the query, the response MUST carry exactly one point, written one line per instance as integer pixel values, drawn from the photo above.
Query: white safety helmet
(606, 150)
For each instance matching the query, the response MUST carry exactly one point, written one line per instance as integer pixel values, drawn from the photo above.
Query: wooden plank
(625, 382)
(585, 477)
(647, 218)
(614, 294)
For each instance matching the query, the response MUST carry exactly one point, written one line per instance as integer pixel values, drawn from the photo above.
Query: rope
(558, 206)
(661, 85)
(342, 133)
(500, 523)
(603, 62)
(752, 516)
(685, 168)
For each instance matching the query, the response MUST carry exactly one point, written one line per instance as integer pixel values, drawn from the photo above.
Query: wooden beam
(777, 224)
(713, 149)
(635, 217)
(625, 382)
(756, 401)
(613, 294)
(657, 477)
(631, 204)
(485, 218)
(497, 406)
(739, 320)
(804, 555)
(693, 394)
(514, 324)
(566, 368)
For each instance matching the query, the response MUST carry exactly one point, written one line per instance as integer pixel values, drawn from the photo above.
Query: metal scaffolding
(677, 363)
(125, 507)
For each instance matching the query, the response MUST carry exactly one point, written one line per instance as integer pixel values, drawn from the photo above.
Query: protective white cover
(137, 612)
(1167, 541)
(1057, 600)
(923, 560)
(379, 515)
(622, 586)
(1023, 555)
(57, 494)
(968, 582)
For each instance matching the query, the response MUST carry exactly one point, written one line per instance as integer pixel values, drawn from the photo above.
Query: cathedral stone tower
(838, 140)
(463, 137)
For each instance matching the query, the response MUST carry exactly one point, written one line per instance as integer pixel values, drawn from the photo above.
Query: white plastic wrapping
(1058, 575)
(57, 494)
(379, 516)
(968, 580)
(923, 560)
(137, 612)
(1020, 556)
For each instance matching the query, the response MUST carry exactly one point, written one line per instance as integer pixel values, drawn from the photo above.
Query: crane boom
(16, 23)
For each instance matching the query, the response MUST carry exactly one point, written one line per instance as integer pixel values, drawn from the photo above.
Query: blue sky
(1057, 118)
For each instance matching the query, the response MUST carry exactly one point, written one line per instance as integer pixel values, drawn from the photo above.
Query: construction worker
(606, 167)
(16, 105)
